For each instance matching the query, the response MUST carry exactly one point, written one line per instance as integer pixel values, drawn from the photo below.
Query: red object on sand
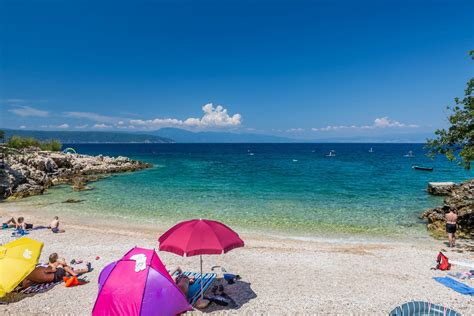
(97, 258)
(199, 237)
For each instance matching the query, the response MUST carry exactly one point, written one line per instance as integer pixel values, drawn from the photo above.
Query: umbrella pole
(202, 294)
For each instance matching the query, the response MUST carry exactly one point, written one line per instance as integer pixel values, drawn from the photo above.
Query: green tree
(457, 142)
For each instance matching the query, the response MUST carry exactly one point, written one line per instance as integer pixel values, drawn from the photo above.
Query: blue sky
(305, 69)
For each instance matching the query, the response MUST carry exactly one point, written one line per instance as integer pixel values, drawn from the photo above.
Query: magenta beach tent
(138, 284)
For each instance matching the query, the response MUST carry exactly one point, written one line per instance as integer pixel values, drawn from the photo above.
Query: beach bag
(442, 262)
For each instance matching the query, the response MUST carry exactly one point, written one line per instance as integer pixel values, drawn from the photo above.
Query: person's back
(451, 219)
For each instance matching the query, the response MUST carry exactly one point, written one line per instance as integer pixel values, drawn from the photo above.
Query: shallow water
(291, 188)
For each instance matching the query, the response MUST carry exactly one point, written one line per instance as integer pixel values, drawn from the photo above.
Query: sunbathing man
(54, 226)
(182, 281)
(451, 219)
(58, 264)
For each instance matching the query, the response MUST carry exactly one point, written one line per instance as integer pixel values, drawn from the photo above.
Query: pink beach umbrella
(138, 284)
(199, 237)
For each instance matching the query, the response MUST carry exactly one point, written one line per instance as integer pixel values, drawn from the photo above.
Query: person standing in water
(451, 219)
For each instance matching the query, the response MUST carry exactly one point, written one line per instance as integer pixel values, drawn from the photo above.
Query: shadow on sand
(240, 292)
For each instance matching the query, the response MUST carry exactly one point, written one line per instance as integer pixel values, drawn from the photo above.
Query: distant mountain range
(184, 136)
(74, 137)
(172, 135)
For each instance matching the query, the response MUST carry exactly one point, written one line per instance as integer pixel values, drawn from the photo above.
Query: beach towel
(456, 286)
(39, 287)
(194, 290)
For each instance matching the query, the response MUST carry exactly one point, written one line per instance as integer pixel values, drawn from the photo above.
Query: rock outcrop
(440, 188)
(461, 198)
(31, 171)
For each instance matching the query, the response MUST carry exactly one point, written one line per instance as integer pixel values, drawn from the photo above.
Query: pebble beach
(280, 275)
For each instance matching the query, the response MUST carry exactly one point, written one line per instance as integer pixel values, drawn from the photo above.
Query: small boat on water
(371, 150)
(332, 153)
(410, 154)
(422, 168)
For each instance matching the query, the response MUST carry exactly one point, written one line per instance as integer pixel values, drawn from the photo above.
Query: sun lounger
(194, 290)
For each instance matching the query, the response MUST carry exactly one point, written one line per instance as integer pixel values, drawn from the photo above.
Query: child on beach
(54, 226)
(60, 267)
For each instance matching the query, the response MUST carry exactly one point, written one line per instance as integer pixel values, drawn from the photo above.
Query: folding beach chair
(194, 290)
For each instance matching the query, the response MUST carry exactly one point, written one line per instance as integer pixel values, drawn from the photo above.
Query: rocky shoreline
(459, 197)
(30, 171)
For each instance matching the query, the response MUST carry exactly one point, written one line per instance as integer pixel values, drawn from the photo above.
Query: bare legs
(452, 239)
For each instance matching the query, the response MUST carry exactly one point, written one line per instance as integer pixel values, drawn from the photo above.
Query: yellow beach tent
(17, 259)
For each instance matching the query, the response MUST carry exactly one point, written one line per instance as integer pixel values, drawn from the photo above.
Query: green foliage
(52, 145)
(457, 142)
(25, 142)
(2, 135)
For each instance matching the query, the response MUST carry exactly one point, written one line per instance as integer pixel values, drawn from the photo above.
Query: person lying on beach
(56, 263)
(54, 226)
(182, 281)
(17, 224)
(43, 275)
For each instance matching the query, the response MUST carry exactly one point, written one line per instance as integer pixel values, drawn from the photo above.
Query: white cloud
(381, 122)
(92, 116)
(22, 126)
(25, 111)
(295, 130)
(65, 125)
(101, 126)
(213, 117)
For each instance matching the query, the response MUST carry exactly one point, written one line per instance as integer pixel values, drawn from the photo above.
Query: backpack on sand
(442, 262)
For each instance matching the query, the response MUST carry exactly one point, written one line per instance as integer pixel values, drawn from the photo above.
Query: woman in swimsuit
(182, 281)
(451, 219)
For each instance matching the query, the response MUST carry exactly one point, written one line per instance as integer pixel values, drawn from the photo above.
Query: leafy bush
(25, 142)
(52, 145)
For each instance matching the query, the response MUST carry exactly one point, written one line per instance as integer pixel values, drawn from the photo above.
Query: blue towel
(455, 285)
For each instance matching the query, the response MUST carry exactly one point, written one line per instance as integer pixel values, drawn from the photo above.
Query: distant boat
(371, 150)
(295, 160)
(250, 154)
(410, 154)
(422, 168)
(332, 153)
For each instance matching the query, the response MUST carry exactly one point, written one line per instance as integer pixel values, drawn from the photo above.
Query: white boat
(409, 155)
(371, 150)
(332, 153)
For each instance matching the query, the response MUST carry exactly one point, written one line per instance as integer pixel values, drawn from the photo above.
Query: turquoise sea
(281, 188)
